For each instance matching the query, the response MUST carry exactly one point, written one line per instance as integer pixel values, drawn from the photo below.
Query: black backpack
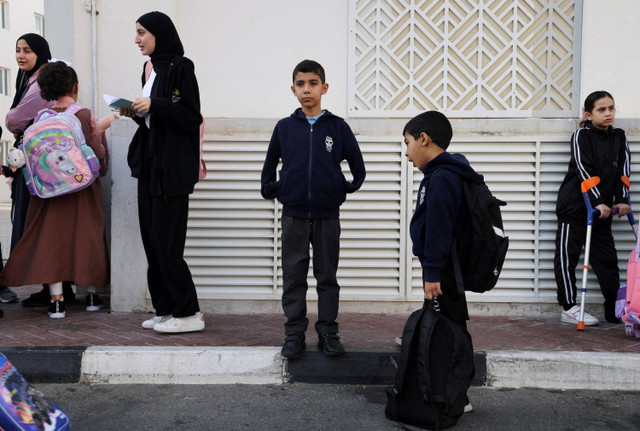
(479, 252)
(483, 245)
(435, 369)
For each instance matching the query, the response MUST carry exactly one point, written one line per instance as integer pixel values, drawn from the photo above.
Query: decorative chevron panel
(468, 58)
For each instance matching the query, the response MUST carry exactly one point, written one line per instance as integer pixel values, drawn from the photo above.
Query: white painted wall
(249, 49)
(244, 50)
(611, 53)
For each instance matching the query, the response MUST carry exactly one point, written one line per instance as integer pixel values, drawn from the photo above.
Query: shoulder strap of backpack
(411, 328)
(454, 246)
(73, 109)
(48, 112)
(457, 268)
(428, 323)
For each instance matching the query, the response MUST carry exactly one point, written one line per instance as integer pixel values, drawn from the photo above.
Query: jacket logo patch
(422, 193)
(328, 142)
(175, 96)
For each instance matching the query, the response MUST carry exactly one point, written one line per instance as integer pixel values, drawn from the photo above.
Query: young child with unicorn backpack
(64, 238)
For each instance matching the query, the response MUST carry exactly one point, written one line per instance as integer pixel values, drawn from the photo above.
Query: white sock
(55, 289)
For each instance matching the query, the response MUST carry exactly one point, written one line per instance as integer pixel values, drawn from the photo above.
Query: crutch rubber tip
(580, 326)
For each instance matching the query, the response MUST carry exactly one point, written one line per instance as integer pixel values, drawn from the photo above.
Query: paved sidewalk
(112, 347)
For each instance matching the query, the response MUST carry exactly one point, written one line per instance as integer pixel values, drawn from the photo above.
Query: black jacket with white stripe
(594, 153)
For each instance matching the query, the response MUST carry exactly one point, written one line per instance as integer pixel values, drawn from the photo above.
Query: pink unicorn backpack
(58, 160)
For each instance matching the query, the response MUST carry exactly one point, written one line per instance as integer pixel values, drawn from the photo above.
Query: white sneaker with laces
(149, 324)
(468, 408)
(181, 324)
(572, 315)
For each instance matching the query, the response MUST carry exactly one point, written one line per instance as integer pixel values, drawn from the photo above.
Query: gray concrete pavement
(327, 408)
(107, 347)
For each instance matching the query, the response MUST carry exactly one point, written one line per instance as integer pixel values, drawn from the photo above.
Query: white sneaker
(181, 324)
(468, 408)
(149, 324)
(572, 316)
(399, 341)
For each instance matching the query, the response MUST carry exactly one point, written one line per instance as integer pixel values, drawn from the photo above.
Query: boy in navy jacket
(440, 214)
(311, 144)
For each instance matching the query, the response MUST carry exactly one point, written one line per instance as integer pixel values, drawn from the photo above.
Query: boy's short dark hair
(309, 66)
(433, 123)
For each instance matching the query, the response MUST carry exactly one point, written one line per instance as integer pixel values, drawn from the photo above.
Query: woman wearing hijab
(164, 157)
(32, 51)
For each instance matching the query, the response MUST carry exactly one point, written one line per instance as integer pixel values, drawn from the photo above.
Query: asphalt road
(306, 407)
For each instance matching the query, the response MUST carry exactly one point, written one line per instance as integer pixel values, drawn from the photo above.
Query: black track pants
(570, 239)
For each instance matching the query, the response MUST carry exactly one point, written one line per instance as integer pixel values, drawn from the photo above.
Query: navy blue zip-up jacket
(439, 216)
(311, 183)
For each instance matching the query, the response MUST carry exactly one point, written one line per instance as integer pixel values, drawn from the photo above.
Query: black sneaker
(94, 303)
(38, 299)
(293, 346)
(68, 293)
(56, 309)
(330, 344)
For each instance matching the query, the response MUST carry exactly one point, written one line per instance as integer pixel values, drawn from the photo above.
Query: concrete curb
(182, 365)
(264, 365)
(563, 370)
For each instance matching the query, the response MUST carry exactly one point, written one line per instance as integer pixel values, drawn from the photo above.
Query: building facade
(510, 74)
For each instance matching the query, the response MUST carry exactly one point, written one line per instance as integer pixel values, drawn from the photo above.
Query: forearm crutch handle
(585, 186)
(632, 220)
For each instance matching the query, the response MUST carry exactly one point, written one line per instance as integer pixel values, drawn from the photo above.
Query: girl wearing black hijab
(164, 157)
(32, 51)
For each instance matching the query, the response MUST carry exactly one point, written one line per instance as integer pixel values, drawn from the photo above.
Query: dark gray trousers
(324, 237)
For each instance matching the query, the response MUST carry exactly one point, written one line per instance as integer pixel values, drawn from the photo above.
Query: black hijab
(40, 47)
(168, 44)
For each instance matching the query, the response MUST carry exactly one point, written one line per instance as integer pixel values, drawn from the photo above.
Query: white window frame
(4, 14)
(39, 22)
(4, 81)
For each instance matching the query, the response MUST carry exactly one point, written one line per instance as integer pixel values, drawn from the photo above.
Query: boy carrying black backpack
(436, 363)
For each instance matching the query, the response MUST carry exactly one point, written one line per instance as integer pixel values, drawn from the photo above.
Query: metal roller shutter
(233, 240)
